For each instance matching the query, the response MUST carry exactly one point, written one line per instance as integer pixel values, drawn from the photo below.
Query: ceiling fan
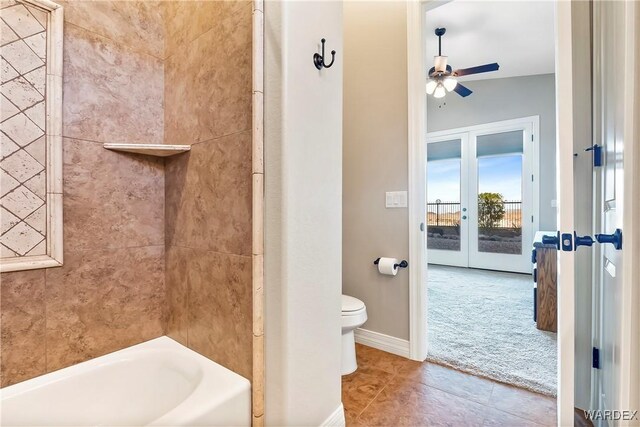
(443, 79)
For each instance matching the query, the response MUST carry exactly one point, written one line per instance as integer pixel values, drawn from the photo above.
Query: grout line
(78, 251)
(119, 43)
(210, 251)
(221, 136)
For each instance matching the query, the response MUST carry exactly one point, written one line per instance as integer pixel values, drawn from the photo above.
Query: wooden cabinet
(546, 296)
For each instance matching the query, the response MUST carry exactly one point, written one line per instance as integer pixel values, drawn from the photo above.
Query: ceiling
(517, 34)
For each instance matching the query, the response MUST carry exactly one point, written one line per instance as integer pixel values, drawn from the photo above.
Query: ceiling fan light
(440, 91)
(440, 63)
(431, 86)
(449, 83)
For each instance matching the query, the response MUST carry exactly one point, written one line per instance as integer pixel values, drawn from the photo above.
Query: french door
(480, 195)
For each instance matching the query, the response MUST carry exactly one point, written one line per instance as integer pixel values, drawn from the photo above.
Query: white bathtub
(156, 383)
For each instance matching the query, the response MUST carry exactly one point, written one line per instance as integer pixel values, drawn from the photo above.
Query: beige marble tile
(257, 383)
(187, 20)
(21, 129)
(103, 301)
(208, 196)
(208, 82)
(258, 294)
(21, 239)
(220, 309)
(20, 92)
(136, 24)
(258, 132)
(21, 20)
(7, 183)
(21, 202)
(22, 314)
(177, 292)
(7, 72)
(7, 109)
(111, 199)
(257, 217)
(21, 58)
(111, 93)
(7, 35)
(37, 78)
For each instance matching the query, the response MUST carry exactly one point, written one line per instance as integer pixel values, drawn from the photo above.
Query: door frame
(417, 117)
(530, 125)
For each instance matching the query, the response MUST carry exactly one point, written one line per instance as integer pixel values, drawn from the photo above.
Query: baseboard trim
(383, 342)
(336, 419)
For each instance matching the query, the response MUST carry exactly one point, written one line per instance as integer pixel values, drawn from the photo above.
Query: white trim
(630, 295)
(565, 189)
(383, 342)
(53, 105)
(336, 419)
(417, 116)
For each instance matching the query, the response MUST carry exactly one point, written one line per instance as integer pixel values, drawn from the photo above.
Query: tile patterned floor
(389, 390)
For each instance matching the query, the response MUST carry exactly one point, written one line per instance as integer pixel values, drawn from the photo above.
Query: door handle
(582, 241)
(615, 239)
(568, 242)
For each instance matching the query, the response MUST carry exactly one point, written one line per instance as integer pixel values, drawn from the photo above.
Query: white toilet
(354, 314)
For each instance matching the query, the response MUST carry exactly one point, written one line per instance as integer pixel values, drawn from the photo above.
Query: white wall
(303, 198)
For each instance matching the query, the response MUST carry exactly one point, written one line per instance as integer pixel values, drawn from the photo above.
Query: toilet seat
(351, 305)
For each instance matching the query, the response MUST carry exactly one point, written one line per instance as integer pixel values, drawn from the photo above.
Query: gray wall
(375, 160)
(303, 222)
(503, 99)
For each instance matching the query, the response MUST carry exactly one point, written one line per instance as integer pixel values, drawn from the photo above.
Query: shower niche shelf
(158, 150)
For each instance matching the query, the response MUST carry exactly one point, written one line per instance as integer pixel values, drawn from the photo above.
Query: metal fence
(445, 214)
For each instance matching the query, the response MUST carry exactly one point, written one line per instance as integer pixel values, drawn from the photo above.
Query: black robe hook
(318, 59)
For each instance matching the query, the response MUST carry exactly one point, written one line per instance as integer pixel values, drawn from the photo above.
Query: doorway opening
(488, 197)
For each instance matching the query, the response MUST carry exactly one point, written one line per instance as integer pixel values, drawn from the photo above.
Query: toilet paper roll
(387, 266)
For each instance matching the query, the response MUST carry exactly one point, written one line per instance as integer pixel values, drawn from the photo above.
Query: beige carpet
(482, 322)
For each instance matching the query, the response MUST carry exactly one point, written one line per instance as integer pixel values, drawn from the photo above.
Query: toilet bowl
(354, 314)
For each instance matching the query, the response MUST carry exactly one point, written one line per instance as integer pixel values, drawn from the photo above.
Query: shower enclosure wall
(153, 245)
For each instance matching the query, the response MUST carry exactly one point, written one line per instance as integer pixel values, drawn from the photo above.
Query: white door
(447, 204)
(482, 207)
(609, 95)
(501, 198)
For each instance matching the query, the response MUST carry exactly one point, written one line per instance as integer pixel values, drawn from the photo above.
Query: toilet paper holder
(403, 263)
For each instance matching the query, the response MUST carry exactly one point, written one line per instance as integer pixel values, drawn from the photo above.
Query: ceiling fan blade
(462, 90)
(477, 70)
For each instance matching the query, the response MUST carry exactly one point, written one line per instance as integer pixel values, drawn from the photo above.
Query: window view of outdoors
(499, 204)
(443, 207)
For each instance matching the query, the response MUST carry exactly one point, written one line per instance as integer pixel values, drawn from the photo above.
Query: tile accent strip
(258, 215)
(30, 137)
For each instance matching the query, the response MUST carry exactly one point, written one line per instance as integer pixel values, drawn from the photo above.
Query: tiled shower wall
(110, 292)
(208, 97)
(146, 72)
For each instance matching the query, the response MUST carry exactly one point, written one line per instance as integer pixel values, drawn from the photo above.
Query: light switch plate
(396, 199)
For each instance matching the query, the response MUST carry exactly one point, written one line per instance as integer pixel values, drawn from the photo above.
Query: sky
(499, 174)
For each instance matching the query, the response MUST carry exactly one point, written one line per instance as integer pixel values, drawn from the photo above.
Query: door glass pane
(500, 192)
(443, 192)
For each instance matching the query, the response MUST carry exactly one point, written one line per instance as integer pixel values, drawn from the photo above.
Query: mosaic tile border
(52, 254)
